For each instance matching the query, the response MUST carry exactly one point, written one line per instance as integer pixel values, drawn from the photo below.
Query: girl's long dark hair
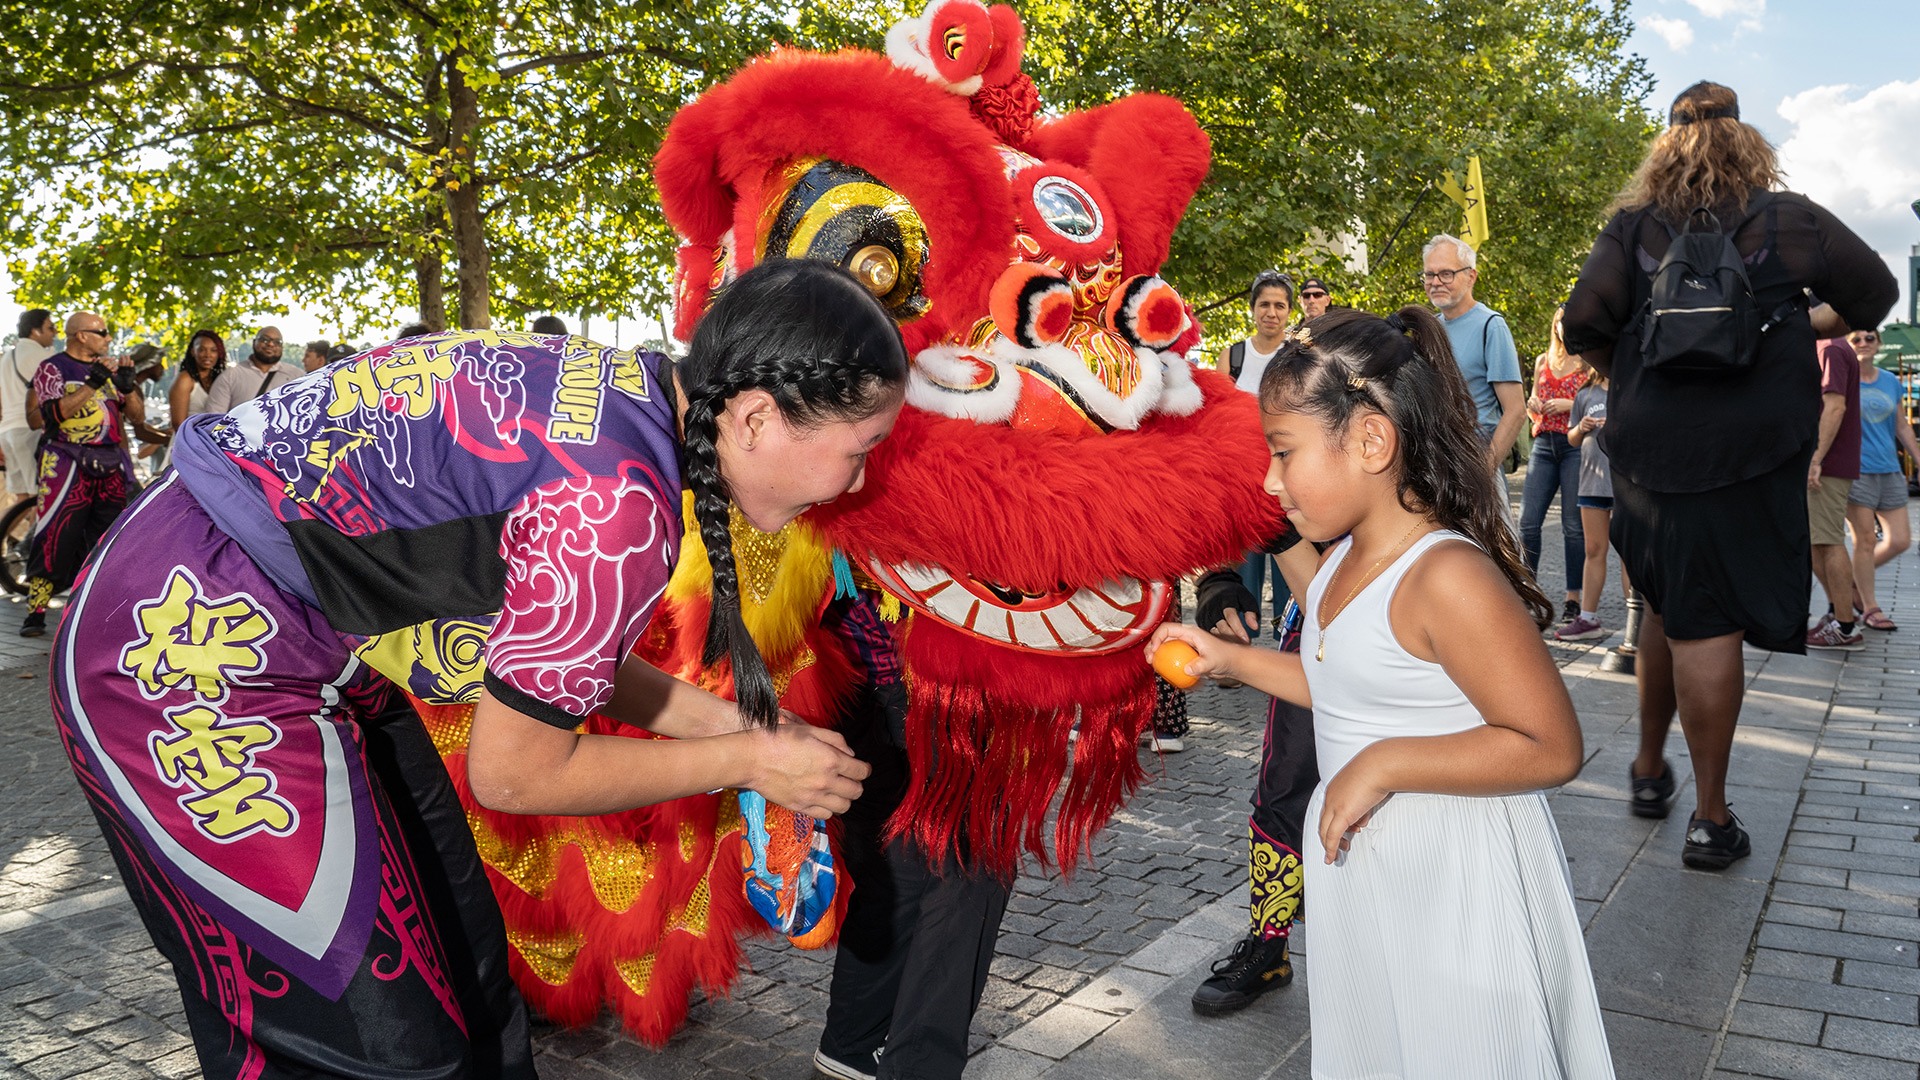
(813, 337)
(219, 358)
(1402, 367)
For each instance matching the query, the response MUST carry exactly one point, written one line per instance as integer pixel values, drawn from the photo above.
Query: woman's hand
(1215, 654)
(1557, 406)
(1353, 794)
(806, 769)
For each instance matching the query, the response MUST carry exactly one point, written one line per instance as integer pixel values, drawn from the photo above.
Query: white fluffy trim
(939, 378)
(1182, 397)
(907, 42)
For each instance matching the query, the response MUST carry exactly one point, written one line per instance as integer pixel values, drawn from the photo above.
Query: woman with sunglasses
(1879, 497)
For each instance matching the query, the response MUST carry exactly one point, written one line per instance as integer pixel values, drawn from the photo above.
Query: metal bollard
(1620, 658)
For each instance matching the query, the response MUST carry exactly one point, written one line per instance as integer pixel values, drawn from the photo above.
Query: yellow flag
(1472, 201)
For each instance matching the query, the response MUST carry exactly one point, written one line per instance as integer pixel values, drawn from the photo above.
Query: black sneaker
(35, 625)
(1715, 847)
(1652, 795)
(826, 1065)
(1255, 966)
(1570, 612)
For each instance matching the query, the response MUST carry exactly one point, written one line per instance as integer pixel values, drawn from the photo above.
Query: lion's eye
(822, 209)
(1066, 208)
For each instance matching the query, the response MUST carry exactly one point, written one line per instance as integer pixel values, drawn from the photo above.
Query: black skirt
(1735, 559)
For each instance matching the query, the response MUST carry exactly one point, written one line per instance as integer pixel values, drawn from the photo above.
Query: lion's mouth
(1087, 620)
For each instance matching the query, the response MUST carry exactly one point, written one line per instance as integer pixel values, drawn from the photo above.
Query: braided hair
(811, 336)
(1402, 367)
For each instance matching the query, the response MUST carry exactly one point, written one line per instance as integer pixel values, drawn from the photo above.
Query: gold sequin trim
(637, 973)
(451, 730)
(756, 555)
(551, 956)
(689, 838)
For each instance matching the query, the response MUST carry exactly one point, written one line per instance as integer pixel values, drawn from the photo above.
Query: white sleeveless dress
(1444, 944)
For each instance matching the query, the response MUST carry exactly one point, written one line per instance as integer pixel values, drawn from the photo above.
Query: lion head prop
(1058, 465)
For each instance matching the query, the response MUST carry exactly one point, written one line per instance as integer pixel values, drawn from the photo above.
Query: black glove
(97, 375)
(1284, 541)
(123, 380)
(1214, 593)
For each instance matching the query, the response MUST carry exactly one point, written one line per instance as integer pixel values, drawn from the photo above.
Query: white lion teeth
(1100, 619)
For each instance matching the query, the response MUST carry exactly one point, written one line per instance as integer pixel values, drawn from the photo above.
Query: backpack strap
(1236, 358)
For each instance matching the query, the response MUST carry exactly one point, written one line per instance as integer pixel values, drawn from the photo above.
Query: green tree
(190, 160)
(183, 161)
(1325, 114)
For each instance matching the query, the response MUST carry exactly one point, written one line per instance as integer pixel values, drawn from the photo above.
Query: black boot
(1255, 966)
(35, 625)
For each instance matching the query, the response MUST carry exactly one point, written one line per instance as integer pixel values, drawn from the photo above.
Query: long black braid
(810, 335)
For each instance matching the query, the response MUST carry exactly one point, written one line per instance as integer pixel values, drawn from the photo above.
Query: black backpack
(1700, 317)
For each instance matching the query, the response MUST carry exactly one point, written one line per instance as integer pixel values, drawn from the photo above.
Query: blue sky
(1834, 84)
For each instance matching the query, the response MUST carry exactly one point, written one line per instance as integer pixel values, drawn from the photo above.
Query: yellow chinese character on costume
(187, 642)
(214, 756)
(353, 388)
(410, 374)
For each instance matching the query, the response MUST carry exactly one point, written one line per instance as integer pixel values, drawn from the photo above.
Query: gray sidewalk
(1799, 962)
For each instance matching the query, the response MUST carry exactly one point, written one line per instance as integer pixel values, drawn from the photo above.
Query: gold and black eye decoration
(821, 209)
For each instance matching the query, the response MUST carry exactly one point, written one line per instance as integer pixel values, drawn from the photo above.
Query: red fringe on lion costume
(1058, 464)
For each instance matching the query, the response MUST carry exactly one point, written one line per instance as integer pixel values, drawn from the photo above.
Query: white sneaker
(840, 1070)
(1162, 744)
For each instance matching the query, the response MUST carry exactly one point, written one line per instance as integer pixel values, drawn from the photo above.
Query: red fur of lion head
(1067, 478)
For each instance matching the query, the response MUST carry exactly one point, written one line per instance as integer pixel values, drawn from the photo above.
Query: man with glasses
(1314, 299)
(1482, 346)
(18, 440)
(83, 403)
(241, 383)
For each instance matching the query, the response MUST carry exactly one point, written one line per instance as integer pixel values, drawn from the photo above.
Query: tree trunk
(429, 271)
(468, 223)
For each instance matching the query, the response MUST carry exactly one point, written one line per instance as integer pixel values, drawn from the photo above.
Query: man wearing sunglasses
(1314, 299)
(241, 383)
(83, 402)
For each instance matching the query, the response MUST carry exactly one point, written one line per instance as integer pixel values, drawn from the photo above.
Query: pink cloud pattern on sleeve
(587, 560)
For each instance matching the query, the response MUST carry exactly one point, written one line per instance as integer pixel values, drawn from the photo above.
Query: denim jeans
(1253, 574)
(1554, 466)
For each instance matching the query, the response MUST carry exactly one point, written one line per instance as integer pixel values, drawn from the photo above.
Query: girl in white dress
(1445, 942)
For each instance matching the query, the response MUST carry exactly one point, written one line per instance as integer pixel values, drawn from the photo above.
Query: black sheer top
(1691, 432)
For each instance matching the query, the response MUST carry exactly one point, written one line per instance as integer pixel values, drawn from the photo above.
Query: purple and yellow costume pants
(280, 818)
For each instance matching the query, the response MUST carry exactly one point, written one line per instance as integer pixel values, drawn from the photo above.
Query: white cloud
(1854, 153)
(1677, 33)
(1720, 9)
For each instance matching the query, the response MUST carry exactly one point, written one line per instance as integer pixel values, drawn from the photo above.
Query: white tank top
(1252, 366)
(1368, 688)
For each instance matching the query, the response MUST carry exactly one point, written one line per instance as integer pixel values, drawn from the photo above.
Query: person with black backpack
(1695, 302)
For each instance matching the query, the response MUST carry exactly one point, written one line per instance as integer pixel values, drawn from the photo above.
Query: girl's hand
(1215, 654)
(806, 769)
(1559, 406)
(1353, 794)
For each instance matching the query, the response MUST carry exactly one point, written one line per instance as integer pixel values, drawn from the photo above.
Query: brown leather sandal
(1875, 619)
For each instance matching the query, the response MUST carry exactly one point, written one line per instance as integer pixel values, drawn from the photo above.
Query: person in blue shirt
(1881, 491)
(1482, 346)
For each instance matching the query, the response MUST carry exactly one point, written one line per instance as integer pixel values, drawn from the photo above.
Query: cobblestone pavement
(1800, 964)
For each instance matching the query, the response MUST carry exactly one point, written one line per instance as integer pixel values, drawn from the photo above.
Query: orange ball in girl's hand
(1171, 660)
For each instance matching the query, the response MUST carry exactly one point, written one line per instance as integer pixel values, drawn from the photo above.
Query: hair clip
(1300, 335)
(1356, 382)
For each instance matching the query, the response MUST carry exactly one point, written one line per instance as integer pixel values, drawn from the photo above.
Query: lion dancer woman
(466, 516)
(85, 473)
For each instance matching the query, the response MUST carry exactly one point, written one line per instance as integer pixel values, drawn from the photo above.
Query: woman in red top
(1554, 466)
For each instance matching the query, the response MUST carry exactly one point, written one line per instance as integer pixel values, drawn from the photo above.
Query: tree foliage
(183, 162)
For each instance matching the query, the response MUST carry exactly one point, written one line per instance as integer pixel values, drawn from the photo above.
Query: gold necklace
(1320, 653)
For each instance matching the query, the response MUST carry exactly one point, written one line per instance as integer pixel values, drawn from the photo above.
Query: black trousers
(918, 939)
(1289, 771)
